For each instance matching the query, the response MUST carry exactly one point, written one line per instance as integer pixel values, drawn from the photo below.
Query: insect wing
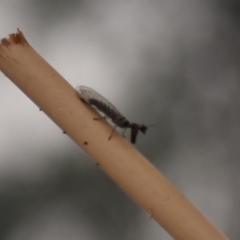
(87, 93)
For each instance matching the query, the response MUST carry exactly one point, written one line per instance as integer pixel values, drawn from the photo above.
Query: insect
(92, 97)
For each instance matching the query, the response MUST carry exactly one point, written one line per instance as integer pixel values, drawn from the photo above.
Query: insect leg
(112, 132)
(100, 118)
(124, 131)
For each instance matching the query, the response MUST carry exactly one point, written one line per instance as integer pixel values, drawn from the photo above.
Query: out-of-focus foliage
(171, 62)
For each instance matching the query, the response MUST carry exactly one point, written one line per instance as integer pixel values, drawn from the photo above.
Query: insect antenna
(154, 125)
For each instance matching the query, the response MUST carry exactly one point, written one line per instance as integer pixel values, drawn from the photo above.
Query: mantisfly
(93, 98)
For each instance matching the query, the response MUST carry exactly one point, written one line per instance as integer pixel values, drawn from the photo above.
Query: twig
(117, 158)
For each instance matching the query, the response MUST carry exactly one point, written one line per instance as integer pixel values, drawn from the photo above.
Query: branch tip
(14, 38)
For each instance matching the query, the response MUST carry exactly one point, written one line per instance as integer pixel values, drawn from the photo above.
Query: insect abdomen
(116, 117)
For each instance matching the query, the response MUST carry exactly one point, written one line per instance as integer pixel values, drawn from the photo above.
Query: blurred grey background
(171, 62)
